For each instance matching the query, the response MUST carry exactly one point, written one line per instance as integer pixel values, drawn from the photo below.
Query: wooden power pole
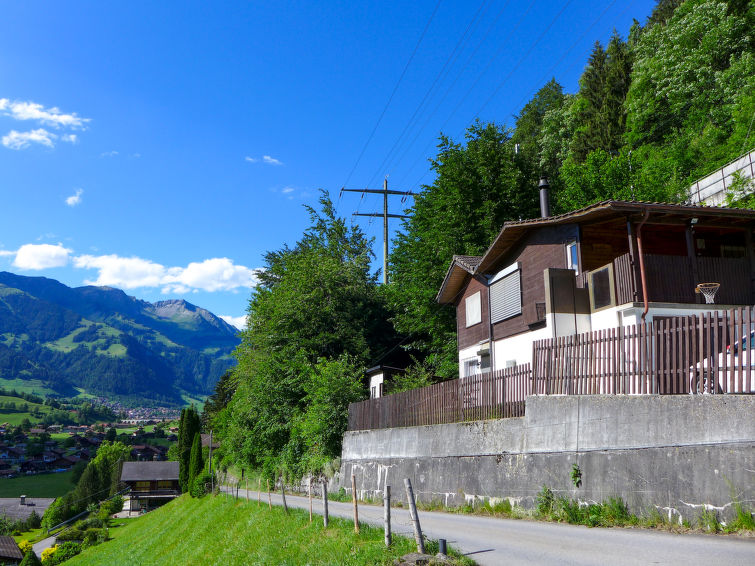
(385, 192)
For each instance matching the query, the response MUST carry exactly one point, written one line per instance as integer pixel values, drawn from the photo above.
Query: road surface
(494, 542)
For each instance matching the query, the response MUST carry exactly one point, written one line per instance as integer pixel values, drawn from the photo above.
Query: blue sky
(164, 147)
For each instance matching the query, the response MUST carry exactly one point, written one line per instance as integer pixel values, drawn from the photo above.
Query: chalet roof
(9, 549)
(206, 441)
(462, 266)
(11, 507)
(665, 213)
(149, 471)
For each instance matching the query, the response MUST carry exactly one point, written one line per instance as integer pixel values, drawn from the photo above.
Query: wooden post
(259, 490)
(415, 517)
(283, 494)
(354, 499)
(309, 491)
(269, 499)
(247, 488)
(325, 504)
(387, 514)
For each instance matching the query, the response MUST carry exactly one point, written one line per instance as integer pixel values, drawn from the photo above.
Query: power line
(449, 60)
(395, 88)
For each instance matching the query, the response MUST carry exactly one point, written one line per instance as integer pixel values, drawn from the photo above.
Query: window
(142, 485)
(472, 306)
(164, 484)
(471, 366)
(572, 262)
(506, 296)
(602, 293)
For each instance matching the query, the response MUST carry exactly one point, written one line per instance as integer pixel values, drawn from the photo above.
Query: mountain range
(103, 342)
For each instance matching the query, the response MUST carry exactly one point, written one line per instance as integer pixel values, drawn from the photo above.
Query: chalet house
(146, 452)
(608, 265)
(9, 551)
(152, 483)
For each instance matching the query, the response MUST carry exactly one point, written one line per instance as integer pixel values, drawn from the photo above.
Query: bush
(201, 485)
(72, 534)
(25, 546)
(30, 559)
(93, 537)
(61, 553)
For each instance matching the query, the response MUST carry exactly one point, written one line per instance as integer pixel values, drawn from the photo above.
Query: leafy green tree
(478, 187)
(111, 434)
(30, 559)
(316, 300)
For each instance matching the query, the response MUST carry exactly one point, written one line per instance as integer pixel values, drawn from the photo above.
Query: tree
(111, 434)
(196, 463)
(189, 426)
(478, 187)
(316, 300)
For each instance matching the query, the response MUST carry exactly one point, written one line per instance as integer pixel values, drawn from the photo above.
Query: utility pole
(385, 192)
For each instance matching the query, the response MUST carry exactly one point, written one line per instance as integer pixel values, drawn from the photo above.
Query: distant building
(9, 551)
(152, 483)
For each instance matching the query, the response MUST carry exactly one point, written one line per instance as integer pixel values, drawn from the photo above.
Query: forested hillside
(654, 111)
(104, 342)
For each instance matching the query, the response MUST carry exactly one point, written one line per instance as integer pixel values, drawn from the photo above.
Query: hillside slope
(217, 530)
(103, 341)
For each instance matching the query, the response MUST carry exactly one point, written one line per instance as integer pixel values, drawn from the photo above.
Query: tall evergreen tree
(196, 463)
(189, 426)
(478, 187)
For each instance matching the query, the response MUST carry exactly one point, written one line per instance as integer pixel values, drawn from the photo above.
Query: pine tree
(189, 426)
(196, 462)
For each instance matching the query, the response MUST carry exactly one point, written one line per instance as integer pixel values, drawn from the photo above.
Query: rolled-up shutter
(506, 297)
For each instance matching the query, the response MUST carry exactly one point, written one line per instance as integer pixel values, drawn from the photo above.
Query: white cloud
(287, 190)
(112, 153)
(216, 274)
(211, 275)
(271, 160)
(49, 116)
(41, 256)
(69, 138)
(75, 199)
(265, 159)
(123, 272)
(4, 253)
(236, 321)
(22, 140)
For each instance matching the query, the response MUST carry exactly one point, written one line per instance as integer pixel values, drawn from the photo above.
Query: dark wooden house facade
(608, 265)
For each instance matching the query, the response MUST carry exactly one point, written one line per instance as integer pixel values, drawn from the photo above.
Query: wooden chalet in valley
(608, 265)
(152, 483)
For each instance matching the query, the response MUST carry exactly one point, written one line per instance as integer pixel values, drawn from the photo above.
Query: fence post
(387, 514)
(354, 499)
(283, 494)
(325, 503)
(309, 491)
(415, 517)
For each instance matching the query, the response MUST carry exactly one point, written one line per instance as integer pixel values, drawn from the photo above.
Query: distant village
(59, 448)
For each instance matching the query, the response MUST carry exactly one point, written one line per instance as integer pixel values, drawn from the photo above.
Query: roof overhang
(461, 269)
(658, 213)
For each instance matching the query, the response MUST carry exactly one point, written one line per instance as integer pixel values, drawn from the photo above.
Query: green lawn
(34, 386)
(15, 417)
(220, 531)
(40, 485)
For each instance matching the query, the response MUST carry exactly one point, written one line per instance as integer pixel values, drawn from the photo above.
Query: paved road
(505, 541)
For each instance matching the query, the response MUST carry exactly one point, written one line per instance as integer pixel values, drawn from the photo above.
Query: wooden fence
(483, 396)
(672, 356)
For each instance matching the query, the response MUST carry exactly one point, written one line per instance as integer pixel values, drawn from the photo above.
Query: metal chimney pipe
(545, 199)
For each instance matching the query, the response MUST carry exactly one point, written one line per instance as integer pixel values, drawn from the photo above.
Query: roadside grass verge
(612, 512)
(221, 531)
(38, 485)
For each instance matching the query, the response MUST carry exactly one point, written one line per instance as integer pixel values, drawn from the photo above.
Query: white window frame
(473, 309)
(572, 263)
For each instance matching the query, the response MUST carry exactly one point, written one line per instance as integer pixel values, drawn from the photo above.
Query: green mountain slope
(108, 343)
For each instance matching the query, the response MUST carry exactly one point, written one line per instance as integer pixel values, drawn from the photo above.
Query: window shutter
(506, 297)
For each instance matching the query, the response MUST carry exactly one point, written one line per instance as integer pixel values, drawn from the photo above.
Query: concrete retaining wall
(673, 453)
